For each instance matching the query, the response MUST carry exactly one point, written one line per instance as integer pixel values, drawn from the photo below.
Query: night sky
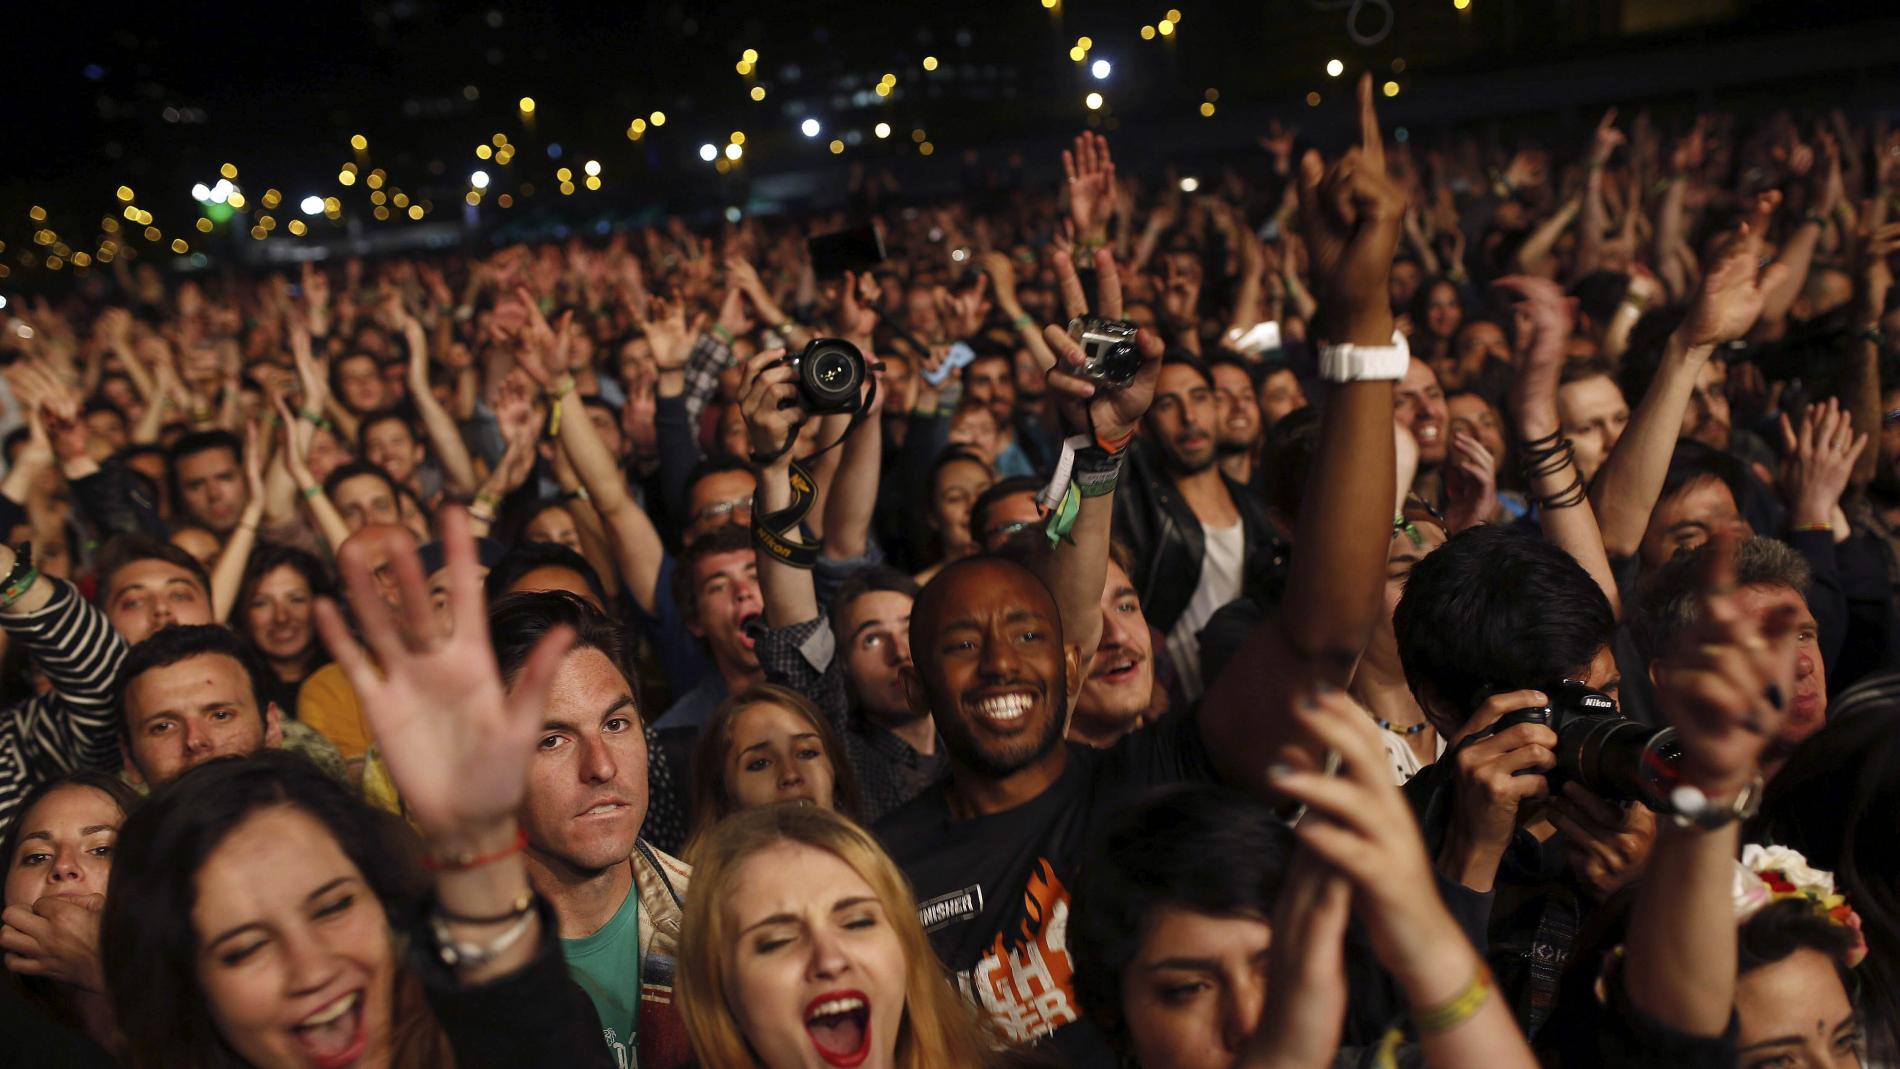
(156, 98)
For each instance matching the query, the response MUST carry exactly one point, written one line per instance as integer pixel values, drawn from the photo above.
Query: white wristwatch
(1365, 363)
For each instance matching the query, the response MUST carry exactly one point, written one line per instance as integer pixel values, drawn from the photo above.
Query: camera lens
(1619, 759)
(1119, 363)
(830, 375)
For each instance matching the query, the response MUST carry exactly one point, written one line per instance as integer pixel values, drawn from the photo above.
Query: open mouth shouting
(334, 1036)
(752, 628)
(839, 1023)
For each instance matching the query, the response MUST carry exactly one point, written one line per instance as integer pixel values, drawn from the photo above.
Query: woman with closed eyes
(805, 952)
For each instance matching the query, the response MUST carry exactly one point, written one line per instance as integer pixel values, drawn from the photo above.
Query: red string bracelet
(465, 861)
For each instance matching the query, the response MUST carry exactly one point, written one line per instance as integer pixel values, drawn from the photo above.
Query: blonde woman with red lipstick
(809, 955)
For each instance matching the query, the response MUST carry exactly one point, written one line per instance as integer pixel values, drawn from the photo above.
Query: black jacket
(1167, 544)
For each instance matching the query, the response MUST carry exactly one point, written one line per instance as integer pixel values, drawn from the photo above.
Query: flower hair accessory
(1769, 874)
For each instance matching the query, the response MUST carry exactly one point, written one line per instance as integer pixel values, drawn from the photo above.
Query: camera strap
(769, 530)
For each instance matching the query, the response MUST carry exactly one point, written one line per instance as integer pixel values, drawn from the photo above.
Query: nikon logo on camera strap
(769, 530)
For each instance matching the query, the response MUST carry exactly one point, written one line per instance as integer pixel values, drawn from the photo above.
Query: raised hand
(1728, 302)
(768, 399)
(1360, 825)
(293, 439)
(735, 314)
(1727, 686)
(1818, 462)
(1111, 415)
(1091, 175)
(1605, 140)
(1353, 214)
(543, 350)
(1002, 275)
(668, 333)
(857, 306)
(962, 313)
(458, 745)
(1279, 144)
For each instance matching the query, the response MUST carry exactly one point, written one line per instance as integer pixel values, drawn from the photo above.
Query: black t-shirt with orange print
(993, 891)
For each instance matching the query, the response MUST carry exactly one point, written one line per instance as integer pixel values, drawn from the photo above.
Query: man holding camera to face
(1505, 641)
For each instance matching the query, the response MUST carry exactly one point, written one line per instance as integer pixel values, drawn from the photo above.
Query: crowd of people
(1452, 627)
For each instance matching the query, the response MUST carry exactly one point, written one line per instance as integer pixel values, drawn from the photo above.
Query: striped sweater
(71, 726)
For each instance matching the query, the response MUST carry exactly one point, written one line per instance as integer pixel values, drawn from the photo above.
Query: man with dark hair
(1592, 410)
(388, 440)
(363, 493)
(1701, 498)
(356, 381)
(990, 380)
(1194, 533)
(1237, 430)
(1489, 624)
(145, 584)
(1000, 651)
(70, 726)
(1773, 581)
(1008, 506)
(1120, 692)
(1480, 358)
(188, 694)
(207, 479)
(533, 566)
(718, 492)
(716, 591)
(616, 899)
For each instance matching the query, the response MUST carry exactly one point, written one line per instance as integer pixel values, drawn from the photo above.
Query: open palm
(458, 745)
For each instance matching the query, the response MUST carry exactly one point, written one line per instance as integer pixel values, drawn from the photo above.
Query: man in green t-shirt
(616, 900)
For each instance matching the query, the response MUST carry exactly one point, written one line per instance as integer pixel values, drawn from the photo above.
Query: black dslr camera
(1597, 746)
(830, 375)
(1112, 357)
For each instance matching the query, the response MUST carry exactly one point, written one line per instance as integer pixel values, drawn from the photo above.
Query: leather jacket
(1167, 544)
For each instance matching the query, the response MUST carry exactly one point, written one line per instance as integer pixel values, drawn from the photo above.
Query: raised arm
(1724, 690)
(228, 574)
(1352, 213)
(1076, 564)
(1370, 838)
(1860, 392)
(1002, 276)
(1595, 220)
(458, 744)
(636, 541)
(444, 436)
(1724, 307)
(852, 502)
(1534, 256)
(295, 440)
(1551, 469)
(514, 412)
(768, 398)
